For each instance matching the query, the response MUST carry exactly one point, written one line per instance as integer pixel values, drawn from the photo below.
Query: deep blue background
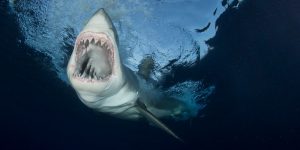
(255, 67)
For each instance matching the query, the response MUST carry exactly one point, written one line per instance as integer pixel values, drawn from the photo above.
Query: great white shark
(104, 84)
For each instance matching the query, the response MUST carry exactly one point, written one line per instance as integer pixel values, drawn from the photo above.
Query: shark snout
(94, 66)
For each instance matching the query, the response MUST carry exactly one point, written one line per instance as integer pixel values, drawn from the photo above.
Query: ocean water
(241, 74)
(162, 30)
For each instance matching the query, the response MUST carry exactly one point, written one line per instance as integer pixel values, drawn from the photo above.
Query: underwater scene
(150, 74)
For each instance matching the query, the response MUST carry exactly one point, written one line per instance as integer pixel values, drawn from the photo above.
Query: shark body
(104, 84)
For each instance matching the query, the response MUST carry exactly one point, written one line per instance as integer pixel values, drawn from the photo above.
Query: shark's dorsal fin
(147, 114)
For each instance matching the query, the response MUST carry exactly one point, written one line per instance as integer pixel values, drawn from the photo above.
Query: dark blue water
(255, 67)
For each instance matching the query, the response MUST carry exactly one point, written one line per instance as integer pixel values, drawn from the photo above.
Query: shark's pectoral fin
(146, 67)
(147, 114)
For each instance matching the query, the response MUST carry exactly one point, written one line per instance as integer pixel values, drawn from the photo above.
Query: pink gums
(96, 36)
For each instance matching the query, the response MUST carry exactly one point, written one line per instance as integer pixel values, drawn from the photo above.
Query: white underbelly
(121, 104)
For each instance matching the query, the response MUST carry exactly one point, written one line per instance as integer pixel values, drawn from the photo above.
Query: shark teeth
(84, 44)
(85, 69)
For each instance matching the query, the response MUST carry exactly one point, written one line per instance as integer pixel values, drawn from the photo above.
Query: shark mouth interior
(94, 57)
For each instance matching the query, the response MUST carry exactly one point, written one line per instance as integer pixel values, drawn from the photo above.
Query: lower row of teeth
(88, 73)
(86, 76)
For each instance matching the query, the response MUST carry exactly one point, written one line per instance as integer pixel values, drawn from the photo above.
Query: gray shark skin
(104, 84)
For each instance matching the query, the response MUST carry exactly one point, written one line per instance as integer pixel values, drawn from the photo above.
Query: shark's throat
(94, 57)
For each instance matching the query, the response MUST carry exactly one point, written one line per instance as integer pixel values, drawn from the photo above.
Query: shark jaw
(94, 58)
(94, 69)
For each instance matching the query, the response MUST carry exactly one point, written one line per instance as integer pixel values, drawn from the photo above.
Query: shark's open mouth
(94, 57)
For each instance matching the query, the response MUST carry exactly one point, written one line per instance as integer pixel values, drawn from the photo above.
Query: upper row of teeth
(101, 42)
